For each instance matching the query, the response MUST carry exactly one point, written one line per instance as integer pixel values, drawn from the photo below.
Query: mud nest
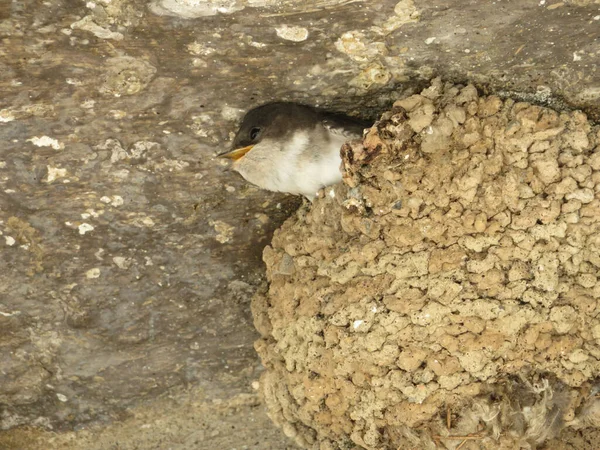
(446, 294)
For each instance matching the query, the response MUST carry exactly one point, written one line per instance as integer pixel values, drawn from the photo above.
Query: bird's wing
(344, 126)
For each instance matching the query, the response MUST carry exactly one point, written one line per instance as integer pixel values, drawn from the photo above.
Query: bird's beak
(236, 153)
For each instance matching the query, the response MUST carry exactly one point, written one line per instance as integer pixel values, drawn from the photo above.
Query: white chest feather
(308, 165)
(301, 165)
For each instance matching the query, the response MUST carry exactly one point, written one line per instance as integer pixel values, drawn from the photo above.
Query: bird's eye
(254, 133)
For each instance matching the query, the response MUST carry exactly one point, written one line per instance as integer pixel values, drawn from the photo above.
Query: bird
(292, 148)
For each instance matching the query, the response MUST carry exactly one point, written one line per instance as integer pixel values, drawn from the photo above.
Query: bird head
(267, 122)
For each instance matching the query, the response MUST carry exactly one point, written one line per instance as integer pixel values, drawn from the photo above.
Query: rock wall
(448, 291)
(128, 252)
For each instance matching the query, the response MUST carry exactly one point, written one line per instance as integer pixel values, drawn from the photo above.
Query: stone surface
(129, 252)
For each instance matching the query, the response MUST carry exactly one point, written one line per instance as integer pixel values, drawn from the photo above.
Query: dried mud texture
(446, 295)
